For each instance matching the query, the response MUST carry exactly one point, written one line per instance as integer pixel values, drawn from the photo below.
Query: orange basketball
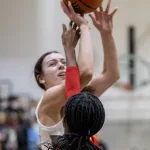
(84, 6)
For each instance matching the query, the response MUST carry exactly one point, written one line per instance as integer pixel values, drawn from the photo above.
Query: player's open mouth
(62, 74)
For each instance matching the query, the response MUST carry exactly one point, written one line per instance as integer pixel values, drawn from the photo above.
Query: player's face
(54, 69)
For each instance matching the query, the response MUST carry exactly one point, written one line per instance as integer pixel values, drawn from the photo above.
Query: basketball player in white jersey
(50, 68)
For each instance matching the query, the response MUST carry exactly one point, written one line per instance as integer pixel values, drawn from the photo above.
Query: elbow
(118, 75)
(115, 76)
(86, 72)
(87, 75)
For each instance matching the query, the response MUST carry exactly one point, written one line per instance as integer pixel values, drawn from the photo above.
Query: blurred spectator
(22, 138)
(22, 131)
(3, 130)
(33, 136)
(14, 104)
(0, 98)
(7, 135)
(18, 126)
(12, 140)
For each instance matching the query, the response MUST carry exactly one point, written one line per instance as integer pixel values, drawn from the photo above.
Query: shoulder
(54, 95)
(52, 101)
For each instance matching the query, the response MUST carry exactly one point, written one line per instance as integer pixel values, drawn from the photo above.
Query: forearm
(70, 57)
(72, 81)
(105, 63)
(85, 56)
(110, 54)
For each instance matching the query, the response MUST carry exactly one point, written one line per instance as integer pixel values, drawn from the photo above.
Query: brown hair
(38, 70)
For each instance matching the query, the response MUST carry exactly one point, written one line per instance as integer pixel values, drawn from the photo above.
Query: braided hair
(84, 115)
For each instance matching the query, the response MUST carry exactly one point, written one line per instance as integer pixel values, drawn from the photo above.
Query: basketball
(84, 6)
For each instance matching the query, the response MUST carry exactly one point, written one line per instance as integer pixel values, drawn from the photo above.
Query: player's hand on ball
(103, 20)
(70, 36)
(76, 18)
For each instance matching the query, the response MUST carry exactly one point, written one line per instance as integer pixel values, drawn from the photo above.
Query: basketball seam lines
(77, 7)
(87, 5)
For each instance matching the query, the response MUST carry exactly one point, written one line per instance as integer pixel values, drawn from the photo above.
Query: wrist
(70, 61)
(68, 48)
(70, 55)
(106, 34)
(84, 27)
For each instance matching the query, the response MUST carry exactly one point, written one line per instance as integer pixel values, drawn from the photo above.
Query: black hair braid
(84, 112)
(97, 123)
(73, 142)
